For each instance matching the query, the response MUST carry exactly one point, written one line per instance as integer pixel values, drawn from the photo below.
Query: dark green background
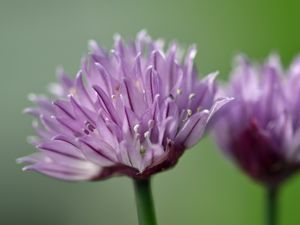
(204, 188)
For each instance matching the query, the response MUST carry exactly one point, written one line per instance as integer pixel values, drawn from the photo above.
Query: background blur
(36, 36)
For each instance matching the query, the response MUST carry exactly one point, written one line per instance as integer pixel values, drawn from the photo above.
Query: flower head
(131, 111)
(260, 129)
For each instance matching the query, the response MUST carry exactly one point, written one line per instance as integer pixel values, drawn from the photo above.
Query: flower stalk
(272, 205)
(144, 202)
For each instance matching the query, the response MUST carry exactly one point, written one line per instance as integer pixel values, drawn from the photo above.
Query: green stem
(272, 206)
(144, 202)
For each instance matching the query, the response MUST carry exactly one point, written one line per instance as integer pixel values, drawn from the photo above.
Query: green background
(204, 188)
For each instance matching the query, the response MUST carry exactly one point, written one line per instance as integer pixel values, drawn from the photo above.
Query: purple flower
(260, 129)
(131, 111)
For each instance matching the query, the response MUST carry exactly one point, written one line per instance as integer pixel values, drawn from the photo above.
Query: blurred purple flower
(260, 129)
(131, 111)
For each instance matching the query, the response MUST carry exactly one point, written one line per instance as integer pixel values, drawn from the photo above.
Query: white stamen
(189, 112)
(192, 95)
(178, 91)
(147, 134)
(136, 128)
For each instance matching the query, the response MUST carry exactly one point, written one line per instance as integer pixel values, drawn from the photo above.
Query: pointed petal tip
(273, 55)
(32, 97)
(79, 74)
(158, 53)
(56, 137)
(225, 99)
(27, 111)
(142, 32)
(92, 45)
(273, 60)
(118, 40)
(192, 51)
(241, 59)
(218, 104)
(25, 159)
(55, 89)
(24, 169)
(241, 56)
(211, 77)
(20, 160)
(117, 36)
(45, 145)
(214, 74)
(31, 140)
(28, 168)
(143, 35)
(40, 146)
(221, 101)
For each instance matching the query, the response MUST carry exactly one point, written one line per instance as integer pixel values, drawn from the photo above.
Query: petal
(218, 104)
(62, 148)
(86, 171)
(193, 129)
(152, 84)
(82, 92)
(107, 104)
(96, 154)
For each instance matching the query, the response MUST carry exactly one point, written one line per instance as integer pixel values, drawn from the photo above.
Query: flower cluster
(260, 129)
(130, 111)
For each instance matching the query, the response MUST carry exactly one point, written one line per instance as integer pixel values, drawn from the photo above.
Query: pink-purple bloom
(130, 111)
(260, 128)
